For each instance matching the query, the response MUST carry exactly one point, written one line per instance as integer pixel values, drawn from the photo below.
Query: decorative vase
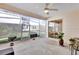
(61, 42)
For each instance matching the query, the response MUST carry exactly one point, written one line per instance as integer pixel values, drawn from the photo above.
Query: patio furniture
(10, 50)
(74, 46)
(33, 35)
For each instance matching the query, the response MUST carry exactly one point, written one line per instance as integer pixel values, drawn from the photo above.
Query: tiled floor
(39, 46)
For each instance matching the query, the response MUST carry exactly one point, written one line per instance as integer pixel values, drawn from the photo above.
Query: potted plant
(11, 39)
(61, 41)
(72, 41)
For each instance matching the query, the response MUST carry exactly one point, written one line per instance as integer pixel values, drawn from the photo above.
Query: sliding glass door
(20, 26)
(34, 26)
(42, 28)
(25, 27)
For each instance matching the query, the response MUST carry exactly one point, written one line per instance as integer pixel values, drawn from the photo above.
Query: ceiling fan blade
(48, 3)
(46, 16)
(53, 9)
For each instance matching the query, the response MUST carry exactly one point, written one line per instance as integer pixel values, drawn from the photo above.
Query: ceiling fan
(47, 9)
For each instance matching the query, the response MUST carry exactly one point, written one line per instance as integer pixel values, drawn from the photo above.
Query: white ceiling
(38, 8)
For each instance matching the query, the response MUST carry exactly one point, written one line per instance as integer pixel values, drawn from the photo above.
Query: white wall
(71, 25)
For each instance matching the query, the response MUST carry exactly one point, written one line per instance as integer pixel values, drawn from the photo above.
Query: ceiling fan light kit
(47, 9)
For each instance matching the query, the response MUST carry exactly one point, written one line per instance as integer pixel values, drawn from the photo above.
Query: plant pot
(11, 44)
(61, 42)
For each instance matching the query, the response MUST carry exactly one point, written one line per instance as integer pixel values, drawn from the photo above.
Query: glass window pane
(9, 26)
(8, 29)
(25, 27)
(34, 19)
(4, 13)
(42, 28)
(34, 26)
(12, 21)
(42, 25)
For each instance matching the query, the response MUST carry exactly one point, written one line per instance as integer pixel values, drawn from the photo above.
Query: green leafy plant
(10, 39)
(60, 35)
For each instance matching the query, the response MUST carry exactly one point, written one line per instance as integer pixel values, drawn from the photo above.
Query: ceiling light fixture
(46, 11)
